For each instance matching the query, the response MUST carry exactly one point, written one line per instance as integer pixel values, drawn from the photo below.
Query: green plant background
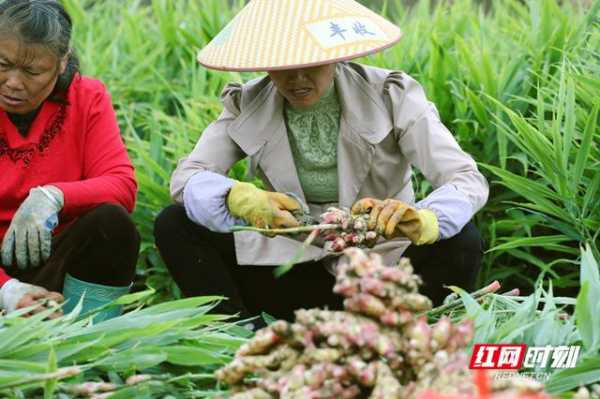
(517, 83)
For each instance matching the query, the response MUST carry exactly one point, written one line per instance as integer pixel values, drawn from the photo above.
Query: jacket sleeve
(215, 151)
(108, 174)
(460, 190)
(205, 201)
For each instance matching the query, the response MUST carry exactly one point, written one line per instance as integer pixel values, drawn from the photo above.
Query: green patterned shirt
(313, 133)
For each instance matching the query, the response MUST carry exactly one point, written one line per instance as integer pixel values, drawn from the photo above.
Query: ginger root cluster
(379, 347)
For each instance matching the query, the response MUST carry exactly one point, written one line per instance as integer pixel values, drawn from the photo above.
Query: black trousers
(203, 262)
(99, 247)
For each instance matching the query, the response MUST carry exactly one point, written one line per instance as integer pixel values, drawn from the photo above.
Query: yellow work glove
(393, 218)
(261, 208)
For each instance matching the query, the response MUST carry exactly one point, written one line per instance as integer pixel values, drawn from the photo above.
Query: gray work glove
(13, 291)
(28, 240)
(16, 295)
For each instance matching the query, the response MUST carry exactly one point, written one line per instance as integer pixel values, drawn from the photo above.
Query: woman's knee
(117, 230)
(115, 244)
(168, 222)
(114, 224)
(468, 239)
(179, 239)
(468, 244)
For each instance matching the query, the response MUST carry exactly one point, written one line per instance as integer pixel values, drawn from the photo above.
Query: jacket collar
(260, 131)
(260, 119)
(362, 107)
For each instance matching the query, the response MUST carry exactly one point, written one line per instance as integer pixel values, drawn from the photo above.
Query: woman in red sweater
(67, 185)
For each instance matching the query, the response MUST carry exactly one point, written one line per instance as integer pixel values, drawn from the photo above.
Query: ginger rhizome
(380, 346)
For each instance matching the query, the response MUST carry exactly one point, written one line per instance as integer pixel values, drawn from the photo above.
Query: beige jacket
(386, 126)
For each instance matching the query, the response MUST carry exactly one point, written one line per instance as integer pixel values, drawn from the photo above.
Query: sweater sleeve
(3, 277)
(108, 175)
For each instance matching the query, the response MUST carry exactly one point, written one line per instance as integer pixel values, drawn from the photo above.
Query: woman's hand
(262, 208)
(17, 295)
(45, 300)
(393, 218)
(28, 240)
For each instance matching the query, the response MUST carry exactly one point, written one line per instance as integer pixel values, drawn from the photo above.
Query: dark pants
(203, 262)
(99, 247)
(455, 261)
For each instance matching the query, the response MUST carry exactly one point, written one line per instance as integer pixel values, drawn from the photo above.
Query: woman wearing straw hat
(67, 184)
(321, 131)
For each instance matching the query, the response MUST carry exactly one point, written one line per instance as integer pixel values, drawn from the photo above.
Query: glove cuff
(11, 293)
(430, 227)
(236, 199)
(54, 194)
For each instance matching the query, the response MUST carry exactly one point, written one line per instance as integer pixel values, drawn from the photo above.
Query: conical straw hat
(284, 34)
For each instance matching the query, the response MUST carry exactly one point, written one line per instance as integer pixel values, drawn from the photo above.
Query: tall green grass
(544, 319)
(517, 84)
(176, 345)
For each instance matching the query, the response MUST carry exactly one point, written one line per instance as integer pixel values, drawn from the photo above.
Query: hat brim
(305, 65)
(271, 35)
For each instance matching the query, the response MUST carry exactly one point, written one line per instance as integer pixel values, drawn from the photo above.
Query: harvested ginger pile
(377, 348)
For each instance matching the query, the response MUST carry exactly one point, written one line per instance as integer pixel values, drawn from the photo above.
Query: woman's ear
(63, 63)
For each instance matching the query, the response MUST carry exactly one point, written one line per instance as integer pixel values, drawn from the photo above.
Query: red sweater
(76, 147)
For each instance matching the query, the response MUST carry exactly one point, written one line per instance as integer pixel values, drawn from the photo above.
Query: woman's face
(303, 87)
(28, 74)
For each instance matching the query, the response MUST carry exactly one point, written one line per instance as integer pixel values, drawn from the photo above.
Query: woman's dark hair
(45, 23)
